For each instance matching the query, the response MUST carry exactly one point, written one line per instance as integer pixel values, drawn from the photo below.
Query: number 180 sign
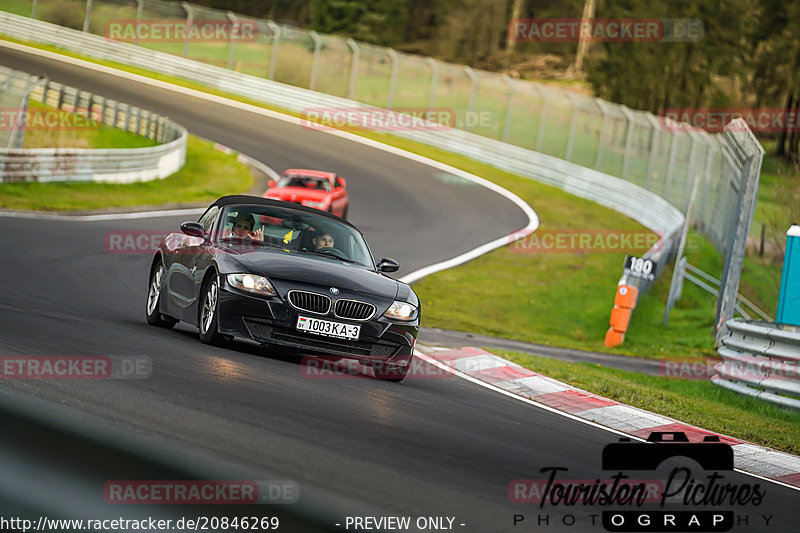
(638, 267)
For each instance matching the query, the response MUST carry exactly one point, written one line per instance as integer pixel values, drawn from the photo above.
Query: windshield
(305, 182)
(294, 232)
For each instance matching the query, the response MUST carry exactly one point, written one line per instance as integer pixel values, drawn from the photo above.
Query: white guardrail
(125, 165)
(646, 207)
(760, 360)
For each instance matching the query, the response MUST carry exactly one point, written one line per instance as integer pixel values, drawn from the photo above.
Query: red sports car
(313, 188)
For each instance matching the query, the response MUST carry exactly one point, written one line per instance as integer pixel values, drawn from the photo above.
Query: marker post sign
(639, 267)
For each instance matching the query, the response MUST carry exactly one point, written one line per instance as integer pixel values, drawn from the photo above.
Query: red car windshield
(305, 182)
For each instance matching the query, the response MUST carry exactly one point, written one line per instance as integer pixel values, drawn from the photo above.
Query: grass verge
(76, 132)
(698, 402)
(207, 175)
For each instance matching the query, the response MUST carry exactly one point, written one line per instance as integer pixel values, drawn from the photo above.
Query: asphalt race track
(432, 446)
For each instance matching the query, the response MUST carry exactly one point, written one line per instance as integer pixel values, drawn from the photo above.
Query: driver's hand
(258, 234)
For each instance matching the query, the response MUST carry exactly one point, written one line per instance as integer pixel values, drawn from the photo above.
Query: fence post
(573, 125)
(471, 100)
(351, 86)
(312, 83)
(670, 166)
(655, 144)
(33, 8)
(742, 147)
(509, 107)
(234, 35)
(88, 18)
(189, 20)
(712, 146)
(542, 117)
(139, 12)
(393, 79)
(677, 272)
(690, 169)
(626, 158)
(434, 81)
(601, 143)
(273, 53)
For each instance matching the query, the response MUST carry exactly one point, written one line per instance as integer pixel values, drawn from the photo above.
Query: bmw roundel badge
(334, 290)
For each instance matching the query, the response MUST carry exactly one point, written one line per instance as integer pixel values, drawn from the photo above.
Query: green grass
(81, 133)
(696, 402)
(207, 175)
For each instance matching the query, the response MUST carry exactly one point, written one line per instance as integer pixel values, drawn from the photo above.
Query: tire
(208, 314)
(154, 317)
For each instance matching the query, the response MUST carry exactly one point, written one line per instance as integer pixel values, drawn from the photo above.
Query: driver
(243, 228)
(322, 240)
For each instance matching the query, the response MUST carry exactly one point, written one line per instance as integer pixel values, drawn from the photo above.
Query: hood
(280, 266)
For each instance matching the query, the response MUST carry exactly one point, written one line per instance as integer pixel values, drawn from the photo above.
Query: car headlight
(317, 205)
(251, 283)
(401, 311)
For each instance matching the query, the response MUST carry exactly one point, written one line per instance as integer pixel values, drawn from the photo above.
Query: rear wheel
(154, 316)
(209, 310)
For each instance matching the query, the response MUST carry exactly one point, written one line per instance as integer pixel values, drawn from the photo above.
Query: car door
(182, 273)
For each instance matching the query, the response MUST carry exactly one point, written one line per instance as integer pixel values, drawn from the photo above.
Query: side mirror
(388, 265)
(193, 229)
(340, 182)
(271, 184)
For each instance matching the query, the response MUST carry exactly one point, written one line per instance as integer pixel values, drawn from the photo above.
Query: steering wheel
(333, 251)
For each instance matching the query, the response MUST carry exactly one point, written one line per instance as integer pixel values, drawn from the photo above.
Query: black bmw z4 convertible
(283, 274)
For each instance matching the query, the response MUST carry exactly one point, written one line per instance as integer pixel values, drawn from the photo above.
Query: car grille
(266, 333)
(310, 302)
(354, 309)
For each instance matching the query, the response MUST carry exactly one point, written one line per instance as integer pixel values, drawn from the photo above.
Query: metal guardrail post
(312, 83)
(393, 78)
(434, 81)
(189, 21)
(471, 100)
(87, 19)
(509, 107)
(273, 53)
(235, 26)
(355, 58)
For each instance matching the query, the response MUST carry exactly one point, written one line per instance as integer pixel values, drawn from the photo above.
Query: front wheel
(209, 310)
(154, 316)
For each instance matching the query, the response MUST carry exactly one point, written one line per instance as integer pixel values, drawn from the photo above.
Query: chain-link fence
(15, 90)
(633, 145)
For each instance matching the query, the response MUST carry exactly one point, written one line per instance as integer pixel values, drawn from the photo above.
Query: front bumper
(272, 321)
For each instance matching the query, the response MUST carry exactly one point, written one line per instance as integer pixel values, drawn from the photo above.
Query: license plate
(328, 328)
